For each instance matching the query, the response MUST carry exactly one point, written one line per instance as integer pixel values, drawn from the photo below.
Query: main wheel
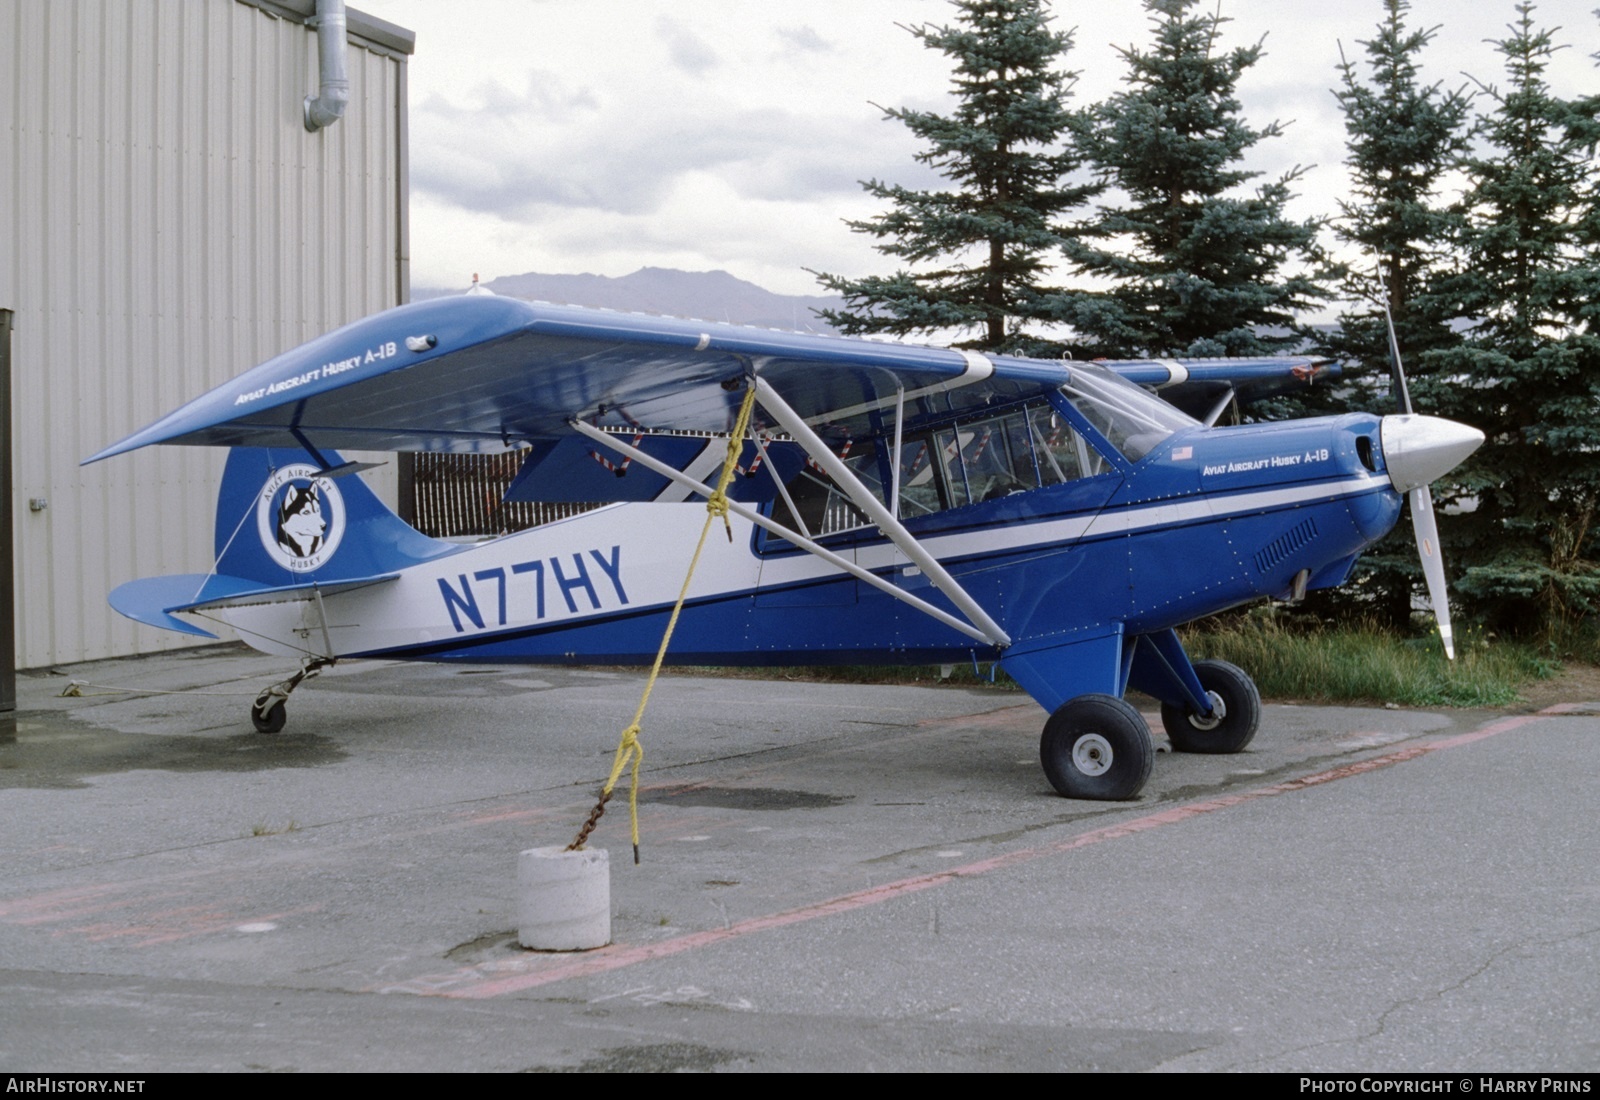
(272, 721)
(1238, 712)
(1098, 747)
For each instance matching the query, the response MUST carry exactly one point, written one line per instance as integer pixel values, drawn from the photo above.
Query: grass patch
(1299, 661)
(962, 675)
(1365, 664)
(263, 829)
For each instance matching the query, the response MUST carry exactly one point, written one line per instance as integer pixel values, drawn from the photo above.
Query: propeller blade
(1397, 372)
(1427, 530)
(1425, 449)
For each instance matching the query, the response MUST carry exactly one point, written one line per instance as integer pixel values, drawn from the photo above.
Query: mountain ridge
(697, 295)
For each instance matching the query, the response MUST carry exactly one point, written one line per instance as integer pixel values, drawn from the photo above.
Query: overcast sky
(607, 135)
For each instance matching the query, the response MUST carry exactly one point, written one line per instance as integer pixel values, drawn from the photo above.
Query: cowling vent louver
(1274, 552)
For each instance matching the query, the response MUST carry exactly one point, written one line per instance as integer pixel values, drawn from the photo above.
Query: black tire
(1096, 747)
(271, 722)
(1233, 693)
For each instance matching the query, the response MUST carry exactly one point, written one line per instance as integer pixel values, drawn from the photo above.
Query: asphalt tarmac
(834, 877)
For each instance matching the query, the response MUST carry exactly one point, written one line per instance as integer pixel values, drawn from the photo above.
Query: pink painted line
(24, 910)
(463, 986)
(214, 922)
(79, 912)
(498, 817)
(1569, 708)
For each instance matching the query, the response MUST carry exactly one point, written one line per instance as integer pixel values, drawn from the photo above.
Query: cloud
(688, 51)
(623, 149)
(805, 39)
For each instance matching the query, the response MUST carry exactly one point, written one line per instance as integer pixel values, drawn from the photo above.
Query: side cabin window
(970, 461)
(1064, 452)
(961, 458)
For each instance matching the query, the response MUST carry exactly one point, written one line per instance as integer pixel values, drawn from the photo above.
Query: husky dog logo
(300, 518)
(300, 522)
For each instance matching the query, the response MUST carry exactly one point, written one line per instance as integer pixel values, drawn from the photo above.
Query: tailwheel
(269, 713)
(1096, 747)
(270, 718)
(1236, 712)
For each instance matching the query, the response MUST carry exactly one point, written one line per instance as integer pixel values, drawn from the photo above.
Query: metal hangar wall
(167, 221)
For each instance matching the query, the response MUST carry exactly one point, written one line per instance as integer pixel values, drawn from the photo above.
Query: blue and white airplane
(896, 504)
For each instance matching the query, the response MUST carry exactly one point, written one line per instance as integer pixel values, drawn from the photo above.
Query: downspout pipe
(328, 107)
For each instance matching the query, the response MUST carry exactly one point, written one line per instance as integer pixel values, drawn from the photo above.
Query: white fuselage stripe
(1143, 517)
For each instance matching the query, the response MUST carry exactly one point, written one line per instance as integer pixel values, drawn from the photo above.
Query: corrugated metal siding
(165, 223)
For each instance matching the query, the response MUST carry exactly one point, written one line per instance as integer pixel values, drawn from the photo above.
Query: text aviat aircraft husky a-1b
(896, 504)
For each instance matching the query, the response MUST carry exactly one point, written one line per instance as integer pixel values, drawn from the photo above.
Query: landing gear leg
(268, 713)
(1207, 706)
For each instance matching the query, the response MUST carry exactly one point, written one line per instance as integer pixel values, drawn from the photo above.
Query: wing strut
(864, 499)
(1220, 407)
(666, 471)
(894, 457)
(772, 472)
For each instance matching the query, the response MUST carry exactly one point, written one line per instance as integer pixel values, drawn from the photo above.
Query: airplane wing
(1203, 388)
(479, 373)
(1245, 374)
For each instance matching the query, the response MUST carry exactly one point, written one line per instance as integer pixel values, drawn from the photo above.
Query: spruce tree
(1402, 138)
(1195, 267)
(977, 253)
(1528, 374)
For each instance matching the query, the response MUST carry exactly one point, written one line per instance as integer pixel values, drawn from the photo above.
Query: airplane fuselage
(1212, 518)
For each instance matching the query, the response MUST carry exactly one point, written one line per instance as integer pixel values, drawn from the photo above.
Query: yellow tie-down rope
(628, 748)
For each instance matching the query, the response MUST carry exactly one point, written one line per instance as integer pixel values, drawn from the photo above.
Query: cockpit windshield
(1133, 420)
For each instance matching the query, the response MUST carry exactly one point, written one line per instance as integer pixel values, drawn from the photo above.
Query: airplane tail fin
(280, 521)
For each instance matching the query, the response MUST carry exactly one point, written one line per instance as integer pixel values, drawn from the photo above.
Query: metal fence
(459, 496)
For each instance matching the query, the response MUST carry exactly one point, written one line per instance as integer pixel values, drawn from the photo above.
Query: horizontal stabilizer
(146, 601)
(155, 600)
